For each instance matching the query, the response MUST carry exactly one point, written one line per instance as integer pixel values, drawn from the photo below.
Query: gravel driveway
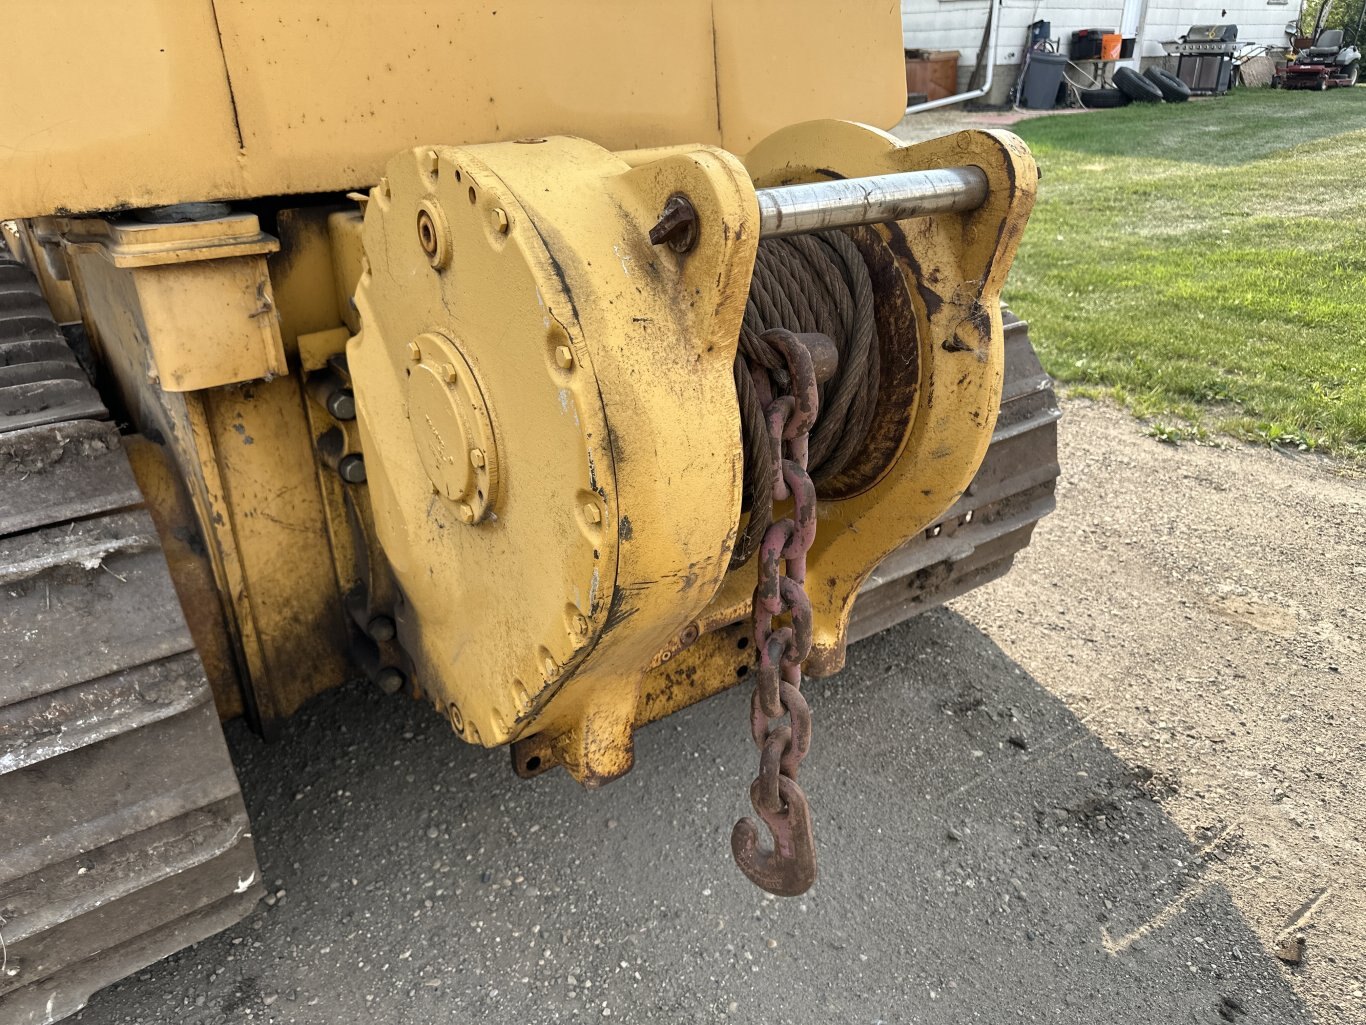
(1104, 789)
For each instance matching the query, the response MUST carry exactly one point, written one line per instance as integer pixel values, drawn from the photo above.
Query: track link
(123, 835)
(977, 540)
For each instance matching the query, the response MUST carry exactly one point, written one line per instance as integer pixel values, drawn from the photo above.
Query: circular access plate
(451, 427)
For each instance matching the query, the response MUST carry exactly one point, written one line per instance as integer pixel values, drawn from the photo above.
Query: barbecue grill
(1205, 58)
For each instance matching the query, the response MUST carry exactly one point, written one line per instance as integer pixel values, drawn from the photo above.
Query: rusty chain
(782, 631)
(809, 334)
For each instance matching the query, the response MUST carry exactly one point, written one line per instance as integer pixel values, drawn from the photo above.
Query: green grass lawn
(1205, 263)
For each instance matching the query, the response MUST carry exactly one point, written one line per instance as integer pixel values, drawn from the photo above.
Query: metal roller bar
(846, 202)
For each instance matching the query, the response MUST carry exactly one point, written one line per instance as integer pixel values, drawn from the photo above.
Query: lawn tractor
(1327, 62)
(556, 364)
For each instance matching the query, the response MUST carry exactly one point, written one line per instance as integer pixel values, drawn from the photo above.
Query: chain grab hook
(789, 868)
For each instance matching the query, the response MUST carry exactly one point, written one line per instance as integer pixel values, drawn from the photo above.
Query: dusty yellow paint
(41, 239)
(243, 450)
(191, 569)
(549, 510)
(514, 311)
(202, 292)
(694, 668)
(953, 267)
(147, 102)
(604, 365)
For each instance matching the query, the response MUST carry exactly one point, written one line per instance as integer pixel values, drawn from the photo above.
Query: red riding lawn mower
(1325, 62)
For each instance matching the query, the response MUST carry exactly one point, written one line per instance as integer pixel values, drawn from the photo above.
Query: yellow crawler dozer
(557, 364)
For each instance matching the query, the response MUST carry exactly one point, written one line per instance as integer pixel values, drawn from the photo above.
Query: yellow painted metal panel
(112, 104)
(245, 454)
(148, 102)
(203, 294)
(384, 77)
(778, 64)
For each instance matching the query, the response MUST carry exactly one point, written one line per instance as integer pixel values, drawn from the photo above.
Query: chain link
(783, 633)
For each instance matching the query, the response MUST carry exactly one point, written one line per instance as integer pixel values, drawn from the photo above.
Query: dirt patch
(1202, 610)
(1102, 803)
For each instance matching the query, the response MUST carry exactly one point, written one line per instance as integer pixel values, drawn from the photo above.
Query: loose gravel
(1105, 789)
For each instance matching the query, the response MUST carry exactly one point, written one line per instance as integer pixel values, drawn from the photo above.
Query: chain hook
(789, 869)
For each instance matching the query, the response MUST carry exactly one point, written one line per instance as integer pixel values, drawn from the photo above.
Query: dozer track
(976, 541)
(123, 835)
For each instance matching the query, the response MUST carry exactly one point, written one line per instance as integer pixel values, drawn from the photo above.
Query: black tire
(1102, 99)
(1352, 74)
(1136, 87)
(1172, 88)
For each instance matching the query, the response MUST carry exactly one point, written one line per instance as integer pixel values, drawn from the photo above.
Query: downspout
(993, 12)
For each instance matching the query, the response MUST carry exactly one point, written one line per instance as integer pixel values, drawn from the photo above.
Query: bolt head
(342, 404)
(390, 680)
(677, 225)
(381, 628)
(448, 373)
(549, 667)
(500, 220)
(477, 457)
(430, 162)
(564, 357)
(352, 469)
(465, 512)
(414, 352)
(592, 513)
(581, 625)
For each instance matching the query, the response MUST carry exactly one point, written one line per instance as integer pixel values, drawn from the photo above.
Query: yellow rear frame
(149, 102)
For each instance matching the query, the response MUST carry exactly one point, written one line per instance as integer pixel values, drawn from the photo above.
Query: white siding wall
(1258, 21)
(958, 24)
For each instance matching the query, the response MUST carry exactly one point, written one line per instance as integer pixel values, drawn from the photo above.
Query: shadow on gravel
(982, 855)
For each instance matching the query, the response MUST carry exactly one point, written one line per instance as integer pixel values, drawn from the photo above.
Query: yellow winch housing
(547, 412)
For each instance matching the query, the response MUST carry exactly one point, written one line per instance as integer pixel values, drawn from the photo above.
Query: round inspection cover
(452, 431)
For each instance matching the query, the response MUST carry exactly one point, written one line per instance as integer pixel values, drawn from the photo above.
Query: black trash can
(1043, 77)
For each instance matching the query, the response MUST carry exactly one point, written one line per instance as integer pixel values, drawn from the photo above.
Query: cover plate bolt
(390, 680)
(342, 404)
(352, 469)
